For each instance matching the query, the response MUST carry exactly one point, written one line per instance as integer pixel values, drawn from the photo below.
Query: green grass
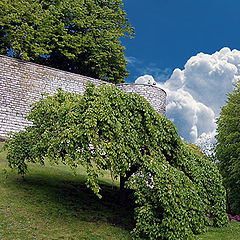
(53, 203)
(230, 232)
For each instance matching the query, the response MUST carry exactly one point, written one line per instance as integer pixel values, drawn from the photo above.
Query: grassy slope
(53, 203)
(231, 232)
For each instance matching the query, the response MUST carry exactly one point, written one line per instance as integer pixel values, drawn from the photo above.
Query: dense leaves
(174, 189)
(81, 36)
(228, 148)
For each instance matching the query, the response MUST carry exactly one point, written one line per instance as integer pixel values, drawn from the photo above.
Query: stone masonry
(153, 94)
(22, 83)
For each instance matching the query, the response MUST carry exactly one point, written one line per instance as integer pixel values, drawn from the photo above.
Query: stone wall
(153, 94)
(21, 84)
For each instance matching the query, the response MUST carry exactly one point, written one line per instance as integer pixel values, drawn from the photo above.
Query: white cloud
(196, 93)
(191, 116)
(146, 79)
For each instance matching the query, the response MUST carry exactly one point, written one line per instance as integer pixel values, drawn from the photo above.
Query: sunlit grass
(230, 232)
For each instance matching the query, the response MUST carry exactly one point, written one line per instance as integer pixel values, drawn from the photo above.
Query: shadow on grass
(58, 195)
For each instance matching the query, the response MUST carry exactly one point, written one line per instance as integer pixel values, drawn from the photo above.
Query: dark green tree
(174, 188)
(82, 36)
(228, 148)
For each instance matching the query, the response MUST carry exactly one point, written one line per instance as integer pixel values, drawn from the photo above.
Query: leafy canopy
(228, 147)
(106, 128)
(81, 36)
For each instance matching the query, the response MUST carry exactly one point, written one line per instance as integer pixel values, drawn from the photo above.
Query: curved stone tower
(153, 94)
(22, 83)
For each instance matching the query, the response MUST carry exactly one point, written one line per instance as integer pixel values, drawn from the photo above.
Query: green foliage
(196, 149)
(228, 147)
(172, 196)
(108, 129)
(81, 36)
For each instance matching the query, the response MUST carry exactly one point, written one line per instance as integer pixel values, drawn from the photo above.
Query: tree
(195, 148)
(174, 188)
(82, 36)
(228, 148)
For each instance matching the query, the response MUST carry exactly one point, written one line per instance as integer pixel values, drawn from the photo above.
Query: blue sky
(191, 49)
(169, 32)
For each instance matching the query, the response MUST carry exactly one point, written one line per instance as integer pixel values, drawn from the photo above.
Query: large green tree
(228, 147)
(82, 36)
(174, 188)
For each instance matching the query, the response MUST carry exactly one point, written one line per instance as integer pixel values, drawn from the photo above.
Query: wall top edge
(75, 74)
(51, 68)
(137, 84)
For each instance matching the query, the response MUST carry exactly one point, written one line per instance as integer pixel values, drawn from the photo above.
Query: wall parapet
(22, 83)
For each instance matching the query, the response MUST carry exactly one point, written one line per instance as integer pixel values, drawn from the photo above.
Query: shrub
(174, 188)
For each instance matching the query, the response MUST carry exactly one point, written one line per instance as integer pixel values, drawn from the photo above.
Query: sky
(191, 49)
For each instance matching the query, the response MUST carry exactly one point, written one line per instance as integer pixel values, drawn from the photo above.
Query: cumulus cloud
(196, 93)
(146, 79)
(191, 116)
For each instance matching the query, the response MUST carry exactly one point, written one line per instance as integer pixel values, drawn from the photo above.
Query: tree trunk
(227, 202)
(124, 193)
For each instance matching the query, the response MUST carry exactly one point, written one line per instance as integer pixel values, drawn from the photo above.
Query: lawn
(52, 202)
(231, 232)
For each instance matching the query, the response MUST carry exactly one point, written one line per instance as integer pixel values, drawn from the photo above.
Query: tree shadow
(70, 198)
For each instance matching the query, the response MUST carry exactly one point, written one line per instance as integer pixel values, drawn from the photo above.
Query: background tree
(106, 128)
(82, 36)
(228, 147)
